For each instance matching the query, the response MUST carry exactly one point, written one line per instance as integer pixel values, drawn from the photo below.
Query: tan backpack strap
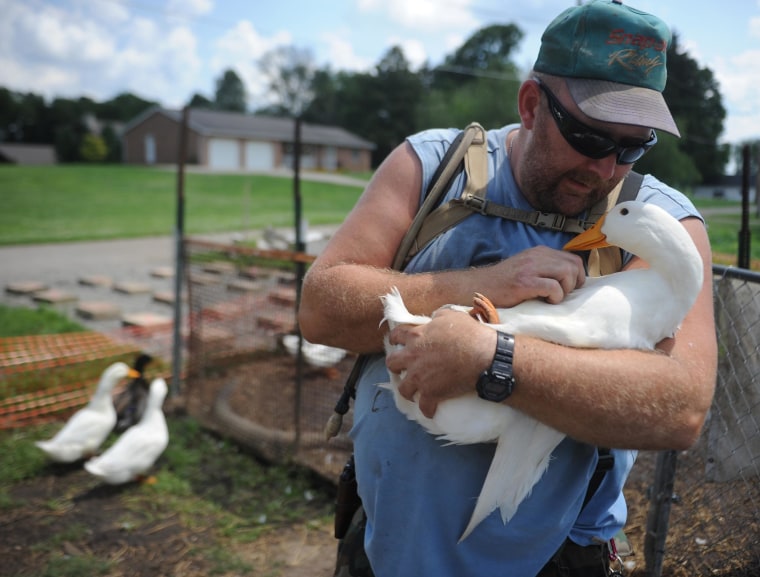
(426, 225)
(603, 261)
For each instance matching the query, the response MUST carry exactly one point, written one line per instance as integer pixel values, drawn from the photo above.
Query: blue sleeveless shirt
(419, 494)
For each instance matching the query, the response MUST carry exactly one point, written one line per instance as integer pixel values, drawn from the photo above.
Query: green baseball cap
(613, 58)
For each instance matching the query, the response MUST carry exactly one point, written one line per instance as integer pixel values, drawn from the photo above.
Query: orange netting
(46, 377)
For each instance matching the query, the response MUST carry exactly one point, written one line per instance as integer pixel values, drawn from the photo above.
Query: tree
(69, 129)
(668, 162)
(737, 154)
(93, 148)
(113, 144)
(200, 101)
(381, 107)
(289, 72)
(490, 101)
(694, 99)
(486, 52)
(230, 93)
(122, 108)
(325, 104)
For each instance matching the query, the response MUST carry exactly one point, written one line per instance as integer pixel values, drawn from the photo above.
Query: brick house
(232, 141)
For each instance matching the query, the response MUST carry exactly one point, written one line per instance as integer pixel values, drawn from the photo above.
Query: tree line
(477, 81)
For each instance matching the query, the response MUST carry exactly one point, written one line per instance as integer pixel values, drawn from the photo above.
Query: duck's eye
(623, 211)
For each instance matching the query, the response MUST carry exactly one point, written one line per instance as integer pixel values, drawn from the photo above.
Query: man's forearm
(616, 398)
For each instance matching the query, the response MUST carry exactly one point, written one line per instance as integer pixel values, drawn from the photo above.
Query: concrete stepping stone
(54, 297)
(145, 320)
(98, 310)
(97, 281)
(205, 279)
(283, 296)
(243, 286)
(220, 267)
(25, 288)
(132, 288)
(255, 272)
(162, 272)
(274, 322)
(166, 297)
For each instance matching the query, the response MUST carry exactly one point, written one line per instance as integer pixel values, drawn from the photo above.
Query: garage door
(223, 154)
(259, 156)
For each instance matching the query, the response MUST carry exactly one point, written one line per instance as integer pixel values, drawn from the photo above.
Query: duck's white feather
(139, 447)
(86, 430)
(630, 309)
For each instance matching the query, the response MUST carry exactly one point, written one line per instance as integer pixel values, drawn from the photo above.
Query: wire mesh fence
(242, 374)
(692, 513)
(46, 377)
(714, 505)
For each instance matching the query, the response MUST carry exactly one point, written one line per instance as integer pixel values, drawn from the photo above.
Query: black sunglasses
(588, 141)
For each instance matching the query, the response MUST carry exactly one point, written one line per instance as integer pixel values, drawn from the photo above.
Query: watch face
(494, 386)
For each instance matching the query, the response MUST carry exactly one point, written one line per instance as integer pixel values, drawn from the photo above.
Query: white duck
(318, 356)
(139, 447)
(629, 309)
(86, 430)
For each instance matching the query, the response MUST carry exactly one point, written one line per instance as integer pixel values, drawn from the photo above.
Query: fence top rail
(288, 255)
(736, 273)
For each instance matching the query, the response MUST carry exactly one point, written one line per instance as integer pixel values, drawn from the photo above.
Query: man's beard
(541, 185)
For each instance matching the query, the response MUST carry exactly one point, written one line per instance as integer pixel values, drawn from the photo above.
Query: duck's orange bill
(133, 374)
(592, 238)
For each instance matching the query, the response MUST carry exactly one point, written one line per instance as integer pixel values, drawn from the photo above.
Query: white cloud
(190, 7)
(754, 26)
(424, 14)
(739, 78)
(341, 55)
(239, 49)
(414, 50)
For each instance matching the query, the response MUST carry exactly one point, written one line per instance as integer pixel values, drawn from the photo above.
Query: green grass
(78, 202)
(86, 202)
(18, 321)
(207, 481)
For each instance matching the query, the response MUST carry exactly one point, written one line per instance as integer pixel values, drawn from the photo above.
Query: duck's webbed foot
(483, 309)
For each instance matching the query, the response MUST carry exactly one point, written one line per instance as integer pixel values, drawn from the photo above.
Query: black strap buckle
(550, 220)
(475, 203)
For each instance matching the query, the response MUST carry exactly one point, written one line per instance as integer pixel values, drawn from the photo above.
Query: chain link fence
(696, 513)
(704, 516)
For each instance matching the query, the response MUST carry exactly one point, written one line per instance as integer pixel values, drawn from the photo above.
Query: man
(589, 110)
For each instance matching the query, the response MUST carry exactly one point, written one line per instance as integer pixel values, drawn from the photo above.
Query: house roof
(235, 125)
(27, 153)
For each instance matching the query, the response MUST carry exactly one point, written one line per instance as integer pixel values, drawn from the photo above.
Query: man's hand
(441, 359)
(538, 272)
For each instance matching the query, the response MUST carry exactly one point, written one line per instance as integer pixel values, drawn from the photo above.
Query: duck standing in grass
(130, 400)
(135, 452)
(86, 430)
(629, 309)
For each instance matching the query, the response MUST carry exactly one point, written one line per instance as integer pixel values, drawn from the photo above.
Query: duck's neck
(677, 260)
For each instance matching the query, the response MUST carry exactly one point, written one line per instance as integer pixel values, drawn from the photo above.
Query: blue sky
(166, 50)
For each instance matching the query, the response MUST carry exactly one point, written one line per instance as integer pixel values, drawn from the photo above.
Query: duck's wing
(522, 456)
(133, 454)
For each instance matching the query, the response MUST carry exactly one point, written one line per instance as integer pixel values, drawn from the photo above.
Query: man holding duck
(588, 111)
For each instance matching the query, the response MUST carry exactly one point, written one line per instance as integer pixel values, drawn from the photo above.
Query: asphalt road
(63, 267)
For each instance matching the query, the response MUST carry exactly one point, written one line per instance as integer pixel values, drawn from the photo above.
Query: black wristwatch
(497, 382)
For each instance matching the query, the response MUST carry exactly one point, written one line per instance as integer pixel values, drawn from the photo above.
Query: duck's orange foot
(330, 372)
(483, 309)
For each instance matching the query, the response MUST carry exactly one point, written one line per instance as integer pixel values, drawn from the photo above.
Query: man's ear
(528, 101)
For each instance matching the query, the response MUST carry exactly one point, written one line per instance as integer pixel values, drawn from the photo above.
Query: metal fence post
(659, 512)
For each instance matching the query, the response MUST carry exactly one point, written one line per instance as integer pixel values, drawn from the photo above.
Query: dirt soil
(138, 541)
(144, 541)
